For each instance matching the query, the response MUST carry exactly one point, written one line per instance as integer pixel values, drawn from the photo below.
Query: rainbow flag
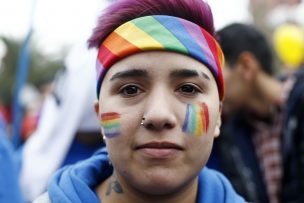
(160, 32)
(111, 124)
(196, 119)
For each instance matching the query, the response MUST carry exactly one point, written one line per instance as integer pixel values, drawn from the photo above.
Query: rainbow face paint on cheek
(110, 123)
(196, 119)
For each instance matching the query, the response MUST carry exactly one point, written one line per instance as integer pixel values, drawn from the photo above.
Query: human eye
(130, 90)
(189, 89)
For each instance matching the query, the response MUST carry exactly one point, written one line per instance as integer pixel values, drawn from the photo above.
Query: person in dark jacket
(264, 163)
(159, 89)
(293, 143)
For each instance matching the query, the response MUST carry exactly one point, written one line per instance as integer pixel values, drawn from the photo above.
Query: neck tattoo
(114, 186)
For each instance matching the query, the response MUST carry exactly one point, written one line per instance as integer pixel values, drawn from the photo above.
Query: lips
(159, 150)
(160, 145)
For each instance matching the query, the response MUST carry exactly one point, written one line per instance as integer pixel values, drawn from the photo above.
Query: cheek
(200, 150)
(196, 120)
(115, 147)
(116, 124)
(111, 124)
(120, 147)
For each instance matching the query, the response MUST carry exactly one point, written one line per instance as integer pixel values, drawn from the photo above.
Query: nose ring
(142, 121)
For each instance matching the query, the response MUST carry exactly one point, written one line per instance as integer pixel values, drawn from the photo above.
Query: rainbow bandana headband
(160, 32)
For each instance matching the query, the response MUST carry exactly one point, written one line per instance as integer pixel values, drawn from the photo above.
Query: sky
(56, 23)
(62, 23)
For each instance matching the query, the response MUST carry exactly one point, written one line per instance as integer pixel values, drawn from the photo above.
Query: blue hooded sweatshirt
(77, 183)
(9, 187)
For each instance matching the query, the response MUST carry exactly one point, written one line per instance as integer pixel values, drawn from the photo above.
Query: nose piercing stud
(142, 121)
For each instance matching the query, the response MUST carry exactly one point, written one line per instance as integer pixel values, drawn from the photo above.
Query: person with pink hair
(160, 90)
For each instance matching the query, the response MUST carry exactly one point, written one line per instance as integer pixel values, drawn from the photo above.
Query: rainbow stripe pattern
(111, 124)
(196, 119)
(161, 32)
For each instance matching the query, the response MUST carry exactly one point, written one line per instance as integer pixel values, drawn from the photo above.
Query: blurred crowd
(260, 149)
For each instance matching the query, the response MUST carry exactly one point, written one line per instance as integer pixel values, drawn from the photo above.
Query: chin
(160, 188)
(161, 184)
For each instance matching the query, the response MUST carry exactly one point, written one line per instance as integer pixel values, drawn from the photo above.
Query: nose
(159, 114)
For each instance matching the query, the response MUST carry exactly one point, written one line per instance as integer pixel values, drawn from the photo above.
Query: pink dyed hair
(121, 11)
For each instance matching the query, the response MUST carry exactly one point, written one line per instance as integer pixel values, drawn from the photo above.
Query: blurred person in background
(31, 101)
(291, 39)
(263, 124)
(9, 185)
(68, 130)
(3, 111)
(285, 11)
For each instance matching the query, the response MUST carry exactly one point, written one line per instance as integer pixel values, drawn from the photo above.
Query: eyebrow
(205, 76)
(186, 73)
(129, 74)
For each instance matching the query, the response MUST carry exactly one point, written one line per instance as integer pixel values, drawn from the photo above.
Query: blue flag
(21, 77)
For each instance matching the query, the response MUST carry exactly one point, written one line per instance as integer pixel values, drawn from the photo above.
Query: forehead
(160, 63)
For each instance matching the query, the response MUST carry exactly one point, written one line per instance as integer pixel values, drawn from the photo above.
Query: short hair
(237, 38)
(121, 11)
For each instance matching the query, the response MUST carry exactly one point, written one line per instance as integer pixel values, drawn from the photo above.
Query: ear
(248, 66)
(218, 124)
(96, 106)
